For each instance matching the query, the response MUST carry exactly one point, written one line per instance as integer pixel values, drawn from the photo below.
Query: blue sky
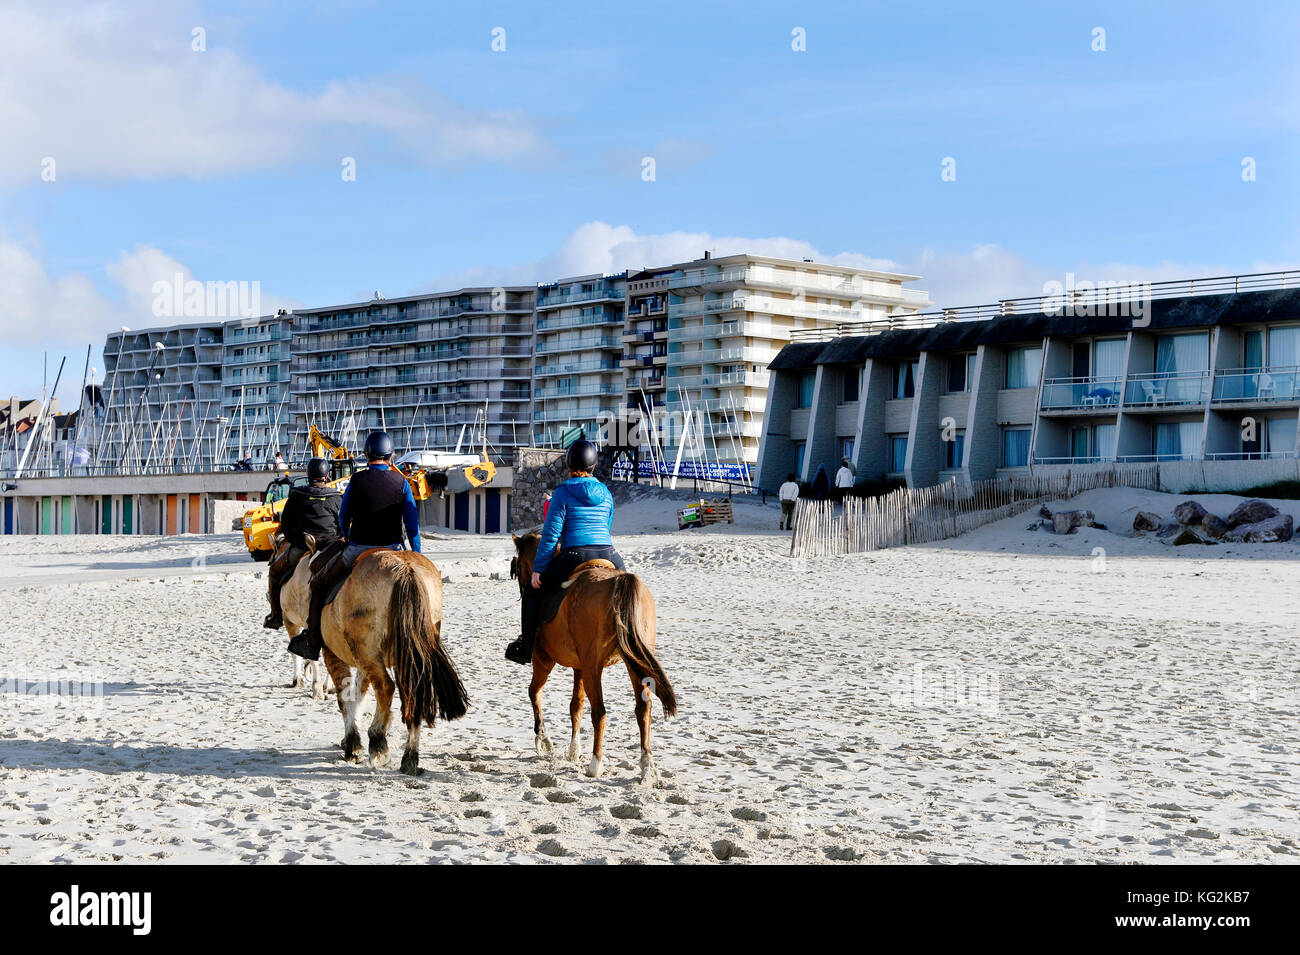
(475, 166)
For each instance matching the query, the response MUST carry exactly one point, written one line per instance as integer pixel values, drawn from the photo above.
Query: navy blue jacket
(358, 528)
(581, 515)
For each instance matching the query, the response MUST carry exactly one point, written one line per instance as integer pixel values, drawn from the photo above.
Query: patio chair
(1154, 391)
(1265, 386)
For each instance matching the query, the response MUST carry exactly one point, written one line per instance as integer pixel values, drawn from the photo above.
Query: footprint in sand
(542, 780)
(625, 812)
(549, 847)
(725, 850)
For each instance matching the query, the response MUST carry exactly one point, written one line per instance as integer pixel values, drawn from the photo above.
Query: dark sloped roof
(1243, 308)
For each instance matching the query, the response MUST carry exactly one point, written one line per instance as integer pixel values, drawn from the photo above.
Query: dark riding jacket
(311, 509)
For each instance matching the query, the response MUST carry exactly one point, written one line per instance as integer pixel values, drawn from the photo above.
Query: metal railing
(1280, 383)
(1167, 389)
(1087, 393)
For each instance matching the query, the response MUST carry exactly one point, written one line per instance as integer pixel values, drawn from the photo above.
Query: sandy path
(927, 704)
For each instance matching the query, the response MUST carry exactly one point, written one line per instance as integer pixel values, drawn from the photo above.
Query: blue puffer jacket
(581, 515)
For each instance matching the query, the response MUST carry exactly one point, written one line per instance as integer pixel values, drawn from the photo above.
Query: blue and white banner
(702, 470)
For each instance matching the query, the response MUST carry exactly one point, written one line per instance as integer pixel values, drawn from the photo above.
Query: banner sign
(701, 470)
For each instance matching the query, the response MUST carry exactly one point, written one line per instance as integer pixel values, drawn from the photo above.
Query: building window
(847, 445)
(1023, 367)
(961, 373)
(953, 450)
(799, 448)
(807, 387)
(1015, 447)
(852, 384)
(897, 452)
(905, 379)
(1177, 440)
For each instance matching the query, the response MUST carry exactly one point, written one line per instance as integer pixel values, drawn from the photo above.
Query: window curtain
(1189, 439)
(1109, 361)
(1283, 347)
(1254, 350)
(1015, 447)
(1104, 436)
(1166, 443)
(1179, 354)
(897, 454)
(1023, 366)
(1281, 435)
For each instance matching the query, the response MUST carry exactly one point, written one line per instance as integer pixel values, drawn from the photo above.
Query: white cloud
(114, 91)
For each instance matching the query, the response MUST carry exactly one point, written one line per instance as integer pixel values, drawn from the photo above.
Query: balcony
(1081, 394)
(1257, 385)
(552, 322)
(1166, 390)
(581, 414)
(586, 344)
(708, 355)
(579, 390)
(548, 298)
(572, 367)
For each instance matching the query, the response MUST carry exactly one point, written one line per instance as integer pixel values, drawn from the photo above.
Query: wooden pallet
(705, 513)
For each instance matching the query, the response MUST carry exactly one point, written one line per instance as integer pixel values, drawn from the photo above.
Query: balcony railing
(578, 321)
(586, 344)
(1087, 394)
(579, 390)
(1257, 384)
(571, 367)
(1167, 389)
(568, 296)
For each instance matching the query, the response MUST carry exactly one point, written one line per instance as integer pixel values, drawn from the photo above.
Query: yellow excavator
(427, 472)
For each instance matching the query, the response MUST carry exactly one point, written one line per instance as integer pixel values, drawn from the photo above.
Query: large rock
(1214, 526)
(1190, 513)
(1064, 522)
(1253, 511)
(1268, 531)
(1190, 535)
(1146, 521)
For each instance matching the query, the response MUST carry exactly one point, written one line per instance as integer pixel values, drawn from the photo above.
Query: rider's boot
(520, 650)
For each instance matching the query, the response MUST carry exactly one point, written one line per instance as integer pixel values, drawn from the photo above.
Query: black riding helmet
(581, 455)
(318, 469)
(378, 445)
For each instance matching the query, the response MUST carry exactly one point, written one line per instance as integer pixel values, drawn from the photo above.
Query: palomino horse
(388, 613)
(607, 616)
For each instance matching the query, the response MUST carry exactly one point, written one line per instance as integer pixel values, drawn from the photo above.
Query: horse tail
(629, 631)
(426, 678)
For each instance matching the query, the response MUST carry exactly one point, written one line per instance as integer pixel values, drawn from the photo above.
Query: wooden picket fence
(918, 515)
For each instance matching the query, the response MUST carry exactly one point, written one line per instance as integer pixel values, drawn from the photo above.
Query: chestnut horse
(388, 613)
(608, 615)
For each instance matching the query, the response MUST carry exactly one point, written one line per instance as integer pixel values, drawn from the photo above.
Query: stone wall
(537, 470)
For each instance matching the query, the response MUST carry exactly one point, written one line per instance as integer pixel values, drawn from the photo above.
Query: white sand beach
(1010, 695)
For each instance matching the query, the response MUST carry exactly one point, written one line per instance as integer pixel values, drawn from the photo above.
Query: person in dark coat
(312, 509)
(821, 483)
(375, 509)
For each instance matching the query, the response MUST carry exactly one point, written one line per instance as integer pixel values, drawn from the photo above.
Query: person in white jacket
(844, 477)
(789, 493)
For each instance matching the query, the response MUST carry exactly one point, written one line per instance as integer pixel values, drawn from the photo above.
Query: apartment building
(1190, 371)
(729, 317)
(576, 373)
(431, 369)
(645, 338)
(255, 387)
(163, 400)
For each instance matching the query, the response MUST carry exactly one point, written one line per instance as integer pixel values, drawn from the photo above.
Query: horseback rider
(577, 529)
(376, 505)
(312, 508)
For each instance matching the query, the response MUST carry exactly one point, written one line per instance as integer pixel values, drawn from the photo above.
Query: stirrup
(273, 621)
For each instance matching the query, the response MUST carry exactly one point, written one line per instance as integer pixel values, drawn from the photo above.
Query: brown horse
(607, 616)
(387, 614)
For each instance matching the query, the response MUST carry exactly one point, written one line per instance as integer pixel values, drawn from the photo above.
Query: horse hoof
(352, 747)
(594, 768)
(649, 775)
(575, 755)
(380, 760)
(411, 764)
(543, 745)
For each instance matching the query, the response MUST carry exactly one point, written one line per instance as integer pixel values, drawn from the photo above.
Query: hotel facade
(1202, 371)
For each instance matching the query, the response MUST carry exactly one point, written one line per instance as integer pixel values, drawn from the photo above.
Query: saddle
(323, 557)
(551, 605)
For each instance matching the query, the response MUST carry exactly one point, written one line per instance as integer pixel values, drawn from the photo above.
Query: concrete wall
(775, 452)
(924, 447)
(871, 449)
(821, 447)
(983, 428)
